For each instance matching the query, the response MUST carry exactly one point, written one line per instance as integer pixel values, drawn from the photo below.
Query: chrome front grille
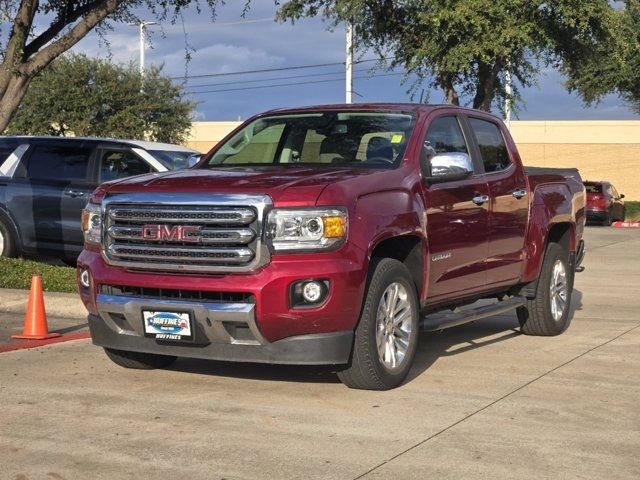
(223, 233)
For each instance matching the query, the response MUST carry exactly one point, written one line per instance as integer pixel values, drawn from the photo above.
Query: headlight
(92, 223)
(306, 229)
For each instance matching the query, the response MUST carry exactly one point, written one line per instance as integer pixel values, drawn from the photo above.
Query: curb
(63, 305)
(626, 224)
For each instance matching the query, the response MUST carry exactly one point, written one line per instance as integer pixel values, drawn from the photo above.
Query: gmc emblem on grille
(177, 233)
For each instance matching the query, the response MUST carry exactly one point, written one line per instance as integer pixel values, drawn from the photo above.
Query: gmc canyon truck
(331, 235)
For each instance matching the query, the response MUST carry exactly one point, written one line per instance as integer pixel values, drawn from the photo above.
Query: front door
(457, 218)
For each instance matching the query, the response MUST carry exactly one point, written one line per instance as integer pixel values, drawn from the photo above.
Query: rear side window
(121, 163)
(59, 163)
(493, 150)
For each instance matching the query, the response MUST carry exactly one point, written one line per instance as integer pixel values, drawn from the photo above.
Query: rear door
(509, 202)
(48, 200)
(457, 218)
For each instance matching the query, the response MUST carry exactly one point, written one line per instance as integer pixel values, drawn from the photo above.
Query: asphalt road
(483, 401)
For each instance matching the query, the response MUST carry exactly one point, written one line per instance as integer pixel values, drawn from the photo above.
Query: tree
(611, 65)
(92, 97)
(26, 53)
(464, 47)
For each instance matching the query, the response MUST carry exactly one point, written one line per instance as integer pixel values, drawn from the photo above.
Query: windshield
(175, 160)
(356, 139)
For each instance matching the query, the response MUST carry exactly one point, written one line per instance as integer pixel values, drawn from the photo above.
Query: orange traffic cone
(35, 321)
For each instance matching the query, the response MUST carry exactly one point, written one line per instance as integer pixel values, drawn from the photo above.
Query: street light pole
(349, 65)
(143, 45)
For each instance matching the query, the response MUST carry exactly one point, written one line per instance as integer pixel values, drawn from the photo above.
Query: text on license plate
(167, 325)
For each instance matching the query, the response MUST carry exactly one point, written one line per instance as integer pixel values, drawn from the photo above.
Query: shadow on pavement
(432, 346)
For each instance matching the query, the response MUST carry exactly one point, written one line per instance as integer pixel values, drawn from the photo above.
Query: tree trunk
(486, 86)
(446, 83)
(10, 101)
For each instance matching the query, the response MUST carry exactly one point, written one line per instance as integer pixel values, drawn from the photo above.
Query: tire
(538, 316)
(138, 360)
(624, 215)
(7, 241)
(377, 361)
(607, 220)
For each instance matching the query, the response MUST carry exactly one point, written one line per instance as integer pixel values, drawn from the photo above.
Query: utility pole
(507, 102)
(143, 45)
(349, 65)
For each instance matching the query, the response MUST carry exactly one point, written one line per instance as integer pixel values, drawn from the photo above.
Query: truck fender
(551, 211)
(394, 228)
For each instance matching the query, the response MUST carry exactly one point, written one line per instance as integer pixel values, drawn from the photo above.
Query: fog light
(85, 278)
(309, 293)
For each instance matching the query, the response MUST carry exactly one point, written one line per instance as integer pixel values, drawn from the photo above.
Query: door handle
(480, 199)
(519, 193)
(73, 193)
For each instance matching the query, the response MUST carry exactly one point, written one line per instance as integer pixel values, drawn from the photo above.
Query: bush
(633, 211)
(17, 272)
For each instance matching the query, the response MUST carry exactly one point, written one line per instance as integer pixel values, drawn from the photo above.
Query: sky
(255, 42)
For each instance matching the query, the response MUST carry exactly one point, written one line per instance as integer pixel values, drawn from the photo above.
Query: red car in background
(604, 203)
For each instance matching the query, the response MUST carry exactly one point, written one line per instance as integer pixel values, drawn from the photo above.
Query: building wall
(601, 150)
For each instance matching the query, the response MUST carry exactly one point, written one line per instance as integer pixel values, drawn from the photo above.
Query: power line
(272, 78)
(279, 69)
(290, 84)
(204, 26)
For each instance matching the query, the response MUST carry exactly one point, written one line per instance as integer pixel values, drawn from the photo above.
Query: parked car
(330, 235)
(45, 183)
(604, 203)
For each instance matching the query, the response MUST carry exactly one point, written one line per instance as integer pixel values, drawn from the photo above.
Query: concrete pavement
(483, 401)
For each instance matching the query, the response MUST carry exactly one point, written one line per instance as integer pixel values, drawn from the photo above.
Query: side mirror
(450, 166)
(622, 195)
(193, 159)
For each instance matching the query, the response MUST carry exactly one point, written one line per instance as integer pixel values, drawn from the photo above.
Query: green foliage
(633, 211)
(17, 272)
(612, 64)
(465, 47)
(91, 97)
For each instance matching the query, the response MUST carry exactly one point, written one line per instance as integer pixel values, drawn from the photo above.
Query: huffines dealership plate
(167, 325)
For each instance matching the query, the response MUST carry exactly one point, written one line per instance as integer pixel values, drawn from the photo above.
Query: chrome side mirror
(450, 166)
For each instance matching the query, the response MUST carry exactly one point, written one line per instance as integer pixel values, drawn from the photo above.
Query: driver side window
(444, 136)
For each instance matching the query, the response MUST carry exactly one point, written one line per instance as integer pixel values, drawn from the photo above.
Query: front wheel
(7, 243)
(386, 337)
(548, 313)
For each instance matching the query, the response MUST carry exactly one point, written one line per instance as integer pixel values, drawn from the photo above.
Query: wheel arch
(408, 249)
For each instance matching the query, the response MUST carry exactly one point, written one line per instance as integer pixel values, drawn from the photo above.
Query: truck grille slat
(185, 237)
(207, 235)
(233, 216)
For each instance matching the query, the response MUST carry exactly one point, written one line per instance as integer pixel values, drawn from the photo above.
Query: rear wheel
(7, 242)
(548, 313)
(139, 360)
(386, 337)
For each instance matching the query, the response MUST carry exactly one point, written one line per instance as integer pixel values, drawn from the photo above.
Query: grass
(633, 211)
(17, 272)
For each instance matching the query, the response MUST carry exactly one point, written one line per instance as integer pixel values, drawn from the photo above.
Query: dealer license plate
(167, 325)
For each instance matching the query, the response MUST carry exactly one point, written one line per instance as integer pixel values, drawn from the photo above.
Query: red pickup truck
(331, 235)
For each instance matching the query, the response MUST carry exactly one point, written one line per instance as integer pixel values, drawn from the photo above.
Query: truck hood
(294, 185)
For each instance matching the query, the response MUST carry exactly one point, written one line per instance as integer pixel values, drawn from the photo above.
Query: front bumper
(317, 349)
(262, 327)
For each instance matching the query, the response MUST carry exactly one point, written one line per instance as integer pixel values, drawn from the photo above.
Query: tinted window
(59, 163)
(375, 139)
(444, 136)
(593, 187)
(121, 163)
(495, 155)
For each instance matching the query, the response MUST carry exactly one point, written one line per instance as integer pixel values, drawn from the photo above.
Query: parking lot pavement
(483, 401)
